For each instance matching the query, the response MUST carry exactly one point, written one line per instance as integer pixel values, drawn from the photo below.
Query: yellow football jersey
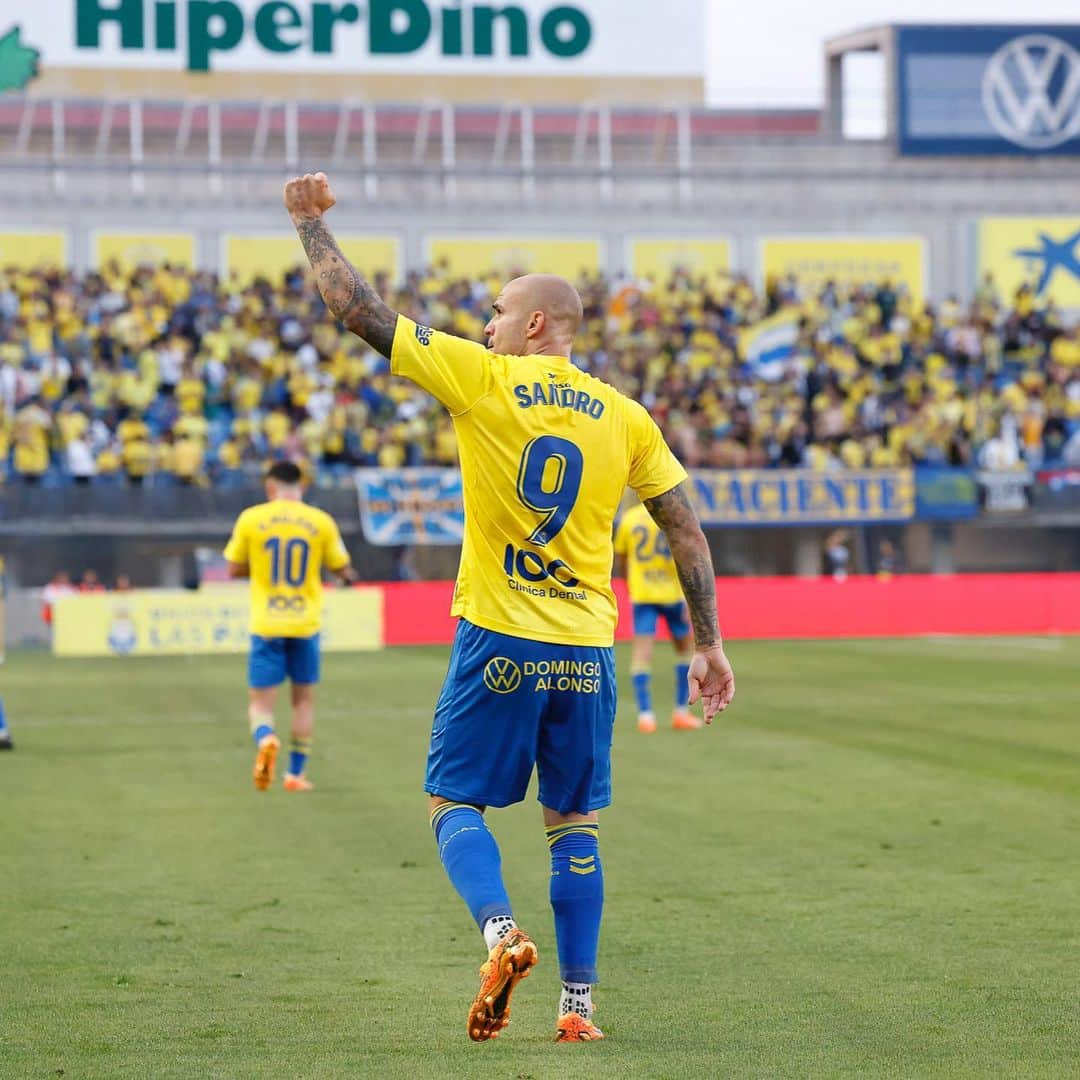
(651, 577)
(546, 452)
(285, 544)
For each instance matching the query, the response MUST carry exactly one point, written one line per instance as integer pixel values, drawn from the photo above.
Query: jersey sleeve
(236, 550)
(335, 554)
(654, 469)
(454, 371)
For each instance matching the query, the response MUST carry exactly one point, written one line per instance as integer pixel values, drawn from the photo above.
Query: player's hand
(712, 680)
(308, 196)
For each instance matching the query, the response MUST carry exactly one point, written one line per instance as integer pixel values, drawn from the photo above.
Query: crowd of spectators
(170, 377)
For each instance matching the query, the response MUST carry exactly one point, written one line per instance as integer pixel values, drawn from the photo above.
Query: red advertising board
(754, 608)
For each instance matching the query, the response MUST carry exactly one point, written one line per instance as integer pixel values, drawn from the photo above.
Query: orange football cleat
(297, 783)
(507, 964)
(263, 773)
(573, 1027)
(646, 722)
(682, 720)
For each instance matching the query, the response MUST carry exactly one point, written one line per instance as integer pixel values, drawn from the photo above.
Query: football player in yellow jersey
(546, 453)
(642, 553)
(282, 545)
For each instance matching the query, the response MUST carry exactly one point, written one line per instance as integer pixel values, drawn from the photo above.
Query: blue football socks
(642, 681)
(471, 857)
(682, 687)
(260, 731)
(577, 898)
(299, 749)
(3, 720)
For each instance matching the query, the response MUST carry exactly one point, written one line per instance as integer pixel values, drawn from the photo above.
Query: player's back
(285, 544)
(651, 576)
(547, 452)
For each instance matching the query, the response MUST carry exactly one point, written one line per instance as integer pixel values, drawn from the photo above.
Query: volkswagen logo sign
(1031, 91)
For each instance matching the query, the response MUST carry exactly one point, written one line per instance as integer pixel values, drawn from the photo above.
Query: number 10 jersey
(547, 452)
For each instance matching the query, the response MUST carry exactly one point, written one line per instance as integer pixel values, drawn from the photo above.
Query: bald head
(552, 295)
(538, 314)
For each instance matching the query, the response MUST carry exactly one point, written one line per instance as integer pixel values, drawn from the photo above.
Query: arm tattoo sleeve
(348, 297)
(674, 514)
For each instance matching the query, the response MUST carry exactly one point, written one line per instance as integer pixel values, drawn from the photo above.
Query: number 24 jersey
(547, 452)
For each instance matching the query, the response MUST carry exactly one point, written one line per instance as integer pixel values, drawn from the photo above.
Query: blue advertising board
(803, 496)
(988, 89)
(425, 506)
(945, 494)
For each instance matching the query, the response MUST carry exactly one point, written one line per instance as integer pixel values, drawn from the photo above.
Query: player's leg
(641, 651)
(261, 722)
(6, 742)
(266, 672)
(303, 667)
(574, 761)
(482, 753)
(303, 726)
(679, 625)
(577, 902)
(471, 857)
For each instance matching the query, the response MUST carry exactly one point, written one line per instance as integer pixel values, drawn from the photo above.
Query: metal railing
(143, 138)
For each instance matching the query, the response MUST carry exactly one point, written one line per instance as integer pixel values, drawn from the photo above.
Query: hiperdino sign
(633, 39)
(203, 31)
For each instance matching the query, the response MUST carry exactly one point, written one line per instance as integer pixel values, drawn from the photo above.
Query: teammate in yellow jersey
(282, 545)
(643, 555)
(546, 454)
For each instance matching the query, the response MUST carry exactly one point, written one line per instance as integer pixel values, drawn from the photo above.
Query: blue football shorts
(272, 660)
(646, 616)
(509, 704)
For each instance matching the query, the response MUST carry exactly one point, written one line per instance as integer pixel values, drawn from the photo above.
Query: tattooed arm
(675, 516)
(711, 677)
(348, 297)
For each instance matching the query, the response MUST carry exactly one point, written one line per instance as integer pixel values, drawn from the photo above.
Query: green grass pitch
(869, 867)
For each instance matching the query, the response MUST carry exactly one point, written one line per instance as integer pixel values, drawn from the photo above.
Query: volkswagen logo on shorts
(1031, 91)
(502, 675)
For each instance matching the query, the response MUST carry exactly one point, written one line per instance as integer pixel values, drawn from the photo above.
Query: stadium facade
(93, 146)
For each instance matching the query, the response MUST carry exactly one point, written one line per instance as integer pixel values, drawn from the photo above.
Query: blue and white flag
(770, 344)
(411, 506)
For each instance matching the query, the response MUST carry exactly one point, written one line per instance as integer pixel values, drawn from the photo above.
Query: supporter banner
(847, 260)
(133, 249)
(988, 89)
(171, 622)
(770, 344)
(411, 506)
(1057, 489)
(1043, 253)
(271, 256)
(803, 497)
(945, 494)
(657, 257)
(508, 256)
(1005, 492)
(28, 250)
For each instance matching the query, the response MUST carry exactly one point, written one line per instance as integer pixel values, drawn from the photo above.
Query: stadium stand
(168, 377)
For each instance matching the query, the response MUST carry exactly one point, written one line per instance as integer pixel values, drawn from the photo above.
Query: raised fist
(308, 196)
